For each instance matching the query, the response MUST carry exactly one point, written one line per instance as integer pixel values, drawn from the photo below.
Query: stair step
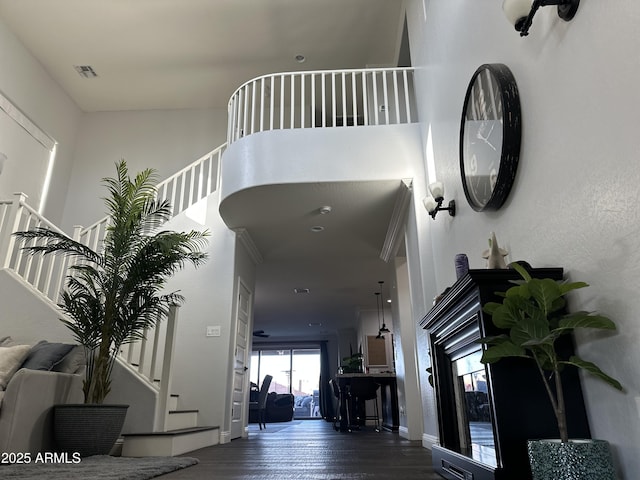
(181, 419)
(169, 443)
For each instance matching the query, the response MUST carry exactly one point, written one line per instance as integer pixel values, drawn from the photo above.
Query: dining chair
(262, 401)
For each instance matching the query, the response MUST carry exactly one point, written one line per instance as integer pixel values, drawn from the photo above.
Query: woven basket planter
(575, 460)
(88, 429)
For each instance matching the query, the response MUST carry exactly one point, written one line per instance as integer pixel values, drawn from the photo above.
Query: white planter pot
(575, 460)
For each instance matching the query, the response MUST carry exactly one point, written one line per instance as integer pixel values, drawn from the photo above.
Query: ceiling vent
(301, 290)
(85, 71)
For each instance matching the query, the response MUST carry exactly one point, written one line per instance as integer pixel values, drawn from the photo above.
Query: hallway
(312, 450)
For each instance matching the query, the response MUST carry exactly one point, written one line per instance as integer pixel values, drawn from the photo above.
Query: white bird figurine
(495, 255)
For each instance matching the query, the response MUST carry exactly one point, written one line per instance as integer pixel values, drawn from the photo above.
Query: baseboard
(116, 451)
(225, 437)
(403, 432)
(428, 441)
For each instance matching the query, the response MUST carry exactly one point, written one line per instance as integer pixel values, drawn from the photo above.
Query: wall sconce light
(521, 12)
(3, 157)
(433, 202)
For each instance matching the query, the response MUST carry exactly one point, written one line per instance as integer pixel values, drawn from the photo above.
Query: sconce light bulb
(437, 190)
(430, 203)
(516, 11)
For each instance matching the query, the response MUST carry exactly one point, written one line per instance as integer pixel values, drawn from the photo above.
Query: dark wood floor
(311, 450)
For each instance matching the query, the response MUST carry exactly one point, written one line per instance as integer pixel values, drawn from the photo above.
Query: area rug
(101, 467)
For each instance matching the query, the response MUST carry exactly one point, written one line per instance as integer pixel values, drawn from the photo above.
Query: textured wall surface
(574, 201)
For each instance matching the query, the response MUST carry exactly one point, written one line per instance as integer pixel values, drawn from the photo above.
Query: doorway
(295, 371)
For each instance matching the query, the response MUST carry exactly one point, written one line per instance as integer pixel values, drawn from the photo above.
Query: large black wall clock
(490, 137)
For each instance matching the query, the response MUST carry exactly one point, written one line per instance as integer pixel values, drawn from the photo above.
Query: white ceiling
(165, 54)
(340, 265)
(152, 54)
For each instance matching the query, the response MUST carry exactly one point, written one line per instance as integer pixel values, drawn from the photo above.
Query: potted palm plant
(534, 315)
(114, 293)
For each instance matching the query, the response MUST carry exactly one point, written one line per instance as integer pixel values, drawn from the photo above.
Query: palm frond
(113, 296)
(56, 243)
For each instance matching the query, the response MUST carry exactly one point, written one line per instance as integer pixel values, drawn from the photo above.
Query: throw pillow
(10, 360)
(72, 361)
(45, 355)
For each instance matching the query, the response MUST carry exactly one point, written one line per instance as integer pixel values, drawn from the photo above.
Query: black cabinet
(486, 414)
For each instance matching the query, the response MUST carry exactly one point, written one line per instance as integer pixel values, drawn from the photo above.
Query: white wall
(574, 201)
(321, 155)
(166, 140)
(407, 371)
(201, 362)
(25, 317)
(30, 88)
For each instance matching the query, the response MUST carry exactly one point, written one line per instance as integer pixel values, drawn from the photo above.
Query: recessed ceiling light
(326, 209)
(317, 228)
(315, 324)
(300, 58)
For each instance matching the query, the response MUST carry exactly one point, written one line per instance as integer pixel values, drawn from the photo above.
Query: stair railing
(193, 183)
(312, 99)
(45, 274)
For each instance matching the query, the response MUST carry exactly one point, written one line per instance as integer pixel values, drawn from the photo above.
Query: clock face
(489, 137)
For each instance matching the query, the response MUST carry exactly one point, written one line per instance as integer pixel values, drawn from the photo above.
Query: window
(295, 371)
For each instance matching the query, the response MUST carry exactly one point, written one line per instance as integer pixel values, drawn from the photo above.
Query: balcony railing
(339, 98)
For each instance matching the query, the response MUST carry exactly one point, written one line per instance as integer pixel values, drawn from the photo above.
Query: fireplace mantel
(486, 414)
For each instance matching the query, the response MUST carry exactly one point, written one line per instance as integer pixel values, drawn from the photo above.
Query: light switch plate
(213, 331)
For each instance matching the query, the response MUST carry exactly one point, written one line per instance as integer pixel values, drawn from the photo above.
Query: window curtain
(327, 407)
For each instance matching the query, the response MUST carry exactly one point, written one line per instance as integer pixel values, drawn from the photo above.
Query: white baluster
(271, 101)
(324, 101)
(365, 103)
(262, 104)
(282, 77)
(302, 100)
(396, 97)
(167, 364)
(406, 96)
(385, 96)
(344, 100)
(13, 222)
(253, 107)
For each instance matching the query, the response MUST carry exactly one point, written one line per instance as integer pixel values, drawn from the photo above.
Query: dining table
(388, 399)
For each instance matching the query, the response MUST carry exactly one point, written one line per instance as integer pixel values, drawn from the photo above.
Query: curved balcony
(325, 129)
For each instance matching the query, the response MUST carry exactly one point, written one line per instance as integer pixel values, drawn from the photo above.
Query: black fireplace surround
(486, 414)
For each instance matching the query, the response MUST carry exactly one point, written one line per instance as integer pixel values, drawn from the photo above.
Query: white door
(241, 357)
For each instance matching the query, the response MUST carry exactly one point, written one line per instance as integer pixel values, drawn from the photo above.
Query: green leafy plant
(352, 363)
(534, 314)
(113, 294)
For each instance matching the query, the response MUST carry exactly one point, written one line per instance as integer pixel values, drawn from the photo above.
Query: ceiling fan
(260, 333)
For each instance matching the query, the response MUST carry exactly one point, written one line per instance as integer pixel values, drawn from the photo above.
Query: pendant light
(377, 294)
(384, 328)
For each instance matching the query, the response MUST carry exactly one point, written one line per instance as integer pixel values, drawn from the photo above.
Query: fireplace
(486, 414)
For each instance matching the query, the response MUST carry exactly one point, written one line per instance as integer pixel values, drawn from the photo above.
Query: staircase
(173, 430)
(182, 435)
